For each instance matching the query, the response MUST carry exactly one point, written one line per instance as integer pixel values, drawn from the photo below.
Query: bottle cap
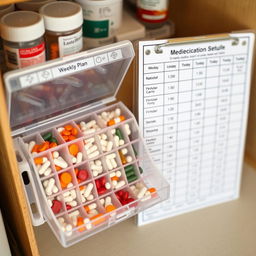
(32, 5)
(62, 16)
(22, 26)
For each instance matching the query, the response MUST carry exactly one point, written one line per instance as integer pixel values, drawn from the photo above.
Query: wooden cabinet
(191, 18)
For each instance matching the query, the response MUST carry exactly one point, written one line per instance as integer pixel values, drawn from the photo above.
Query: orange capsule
(97, 219)
(65, 178)
(68, 127)
(80, 222)
(76, 171)
(114, 178)
(66, 133)
(44, 146)
(116, 120)
(36, 148)
(71, 137)
(53, 144)
(152, 190)
(58, 168)
(74, 131)
(73, 149)
(82, 187)
(123, 158)
(110, 208)
(38, 160)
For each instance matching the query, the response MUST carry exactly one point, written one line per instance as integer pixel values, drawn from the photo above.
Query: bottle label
(70, 44)
(152, 10)
(20, 58)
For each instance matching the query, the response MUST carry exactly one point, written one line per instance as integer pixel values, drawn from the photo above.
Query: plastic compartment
(84, 101)
(52, 135)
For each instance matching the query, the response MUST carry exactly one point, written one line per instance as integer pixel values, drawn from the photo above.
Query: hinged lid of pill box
(43, 93)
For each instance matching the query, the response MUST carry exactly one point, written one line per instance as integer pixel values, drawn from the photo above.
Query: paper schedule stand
(193, 98)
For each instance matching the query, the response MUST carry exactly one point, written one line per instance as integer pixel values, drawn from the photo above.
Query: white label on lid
(69, 68)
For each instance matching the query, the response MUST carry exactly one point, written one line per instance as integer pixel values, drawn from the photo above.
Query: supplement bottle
(101, 21)
(152, 13)
(63, 25)
(4, 9)
(23, 42)
(32, 5)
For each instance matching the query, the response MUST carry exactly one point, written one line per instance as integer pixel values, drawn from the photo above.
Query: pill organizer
(83, 161)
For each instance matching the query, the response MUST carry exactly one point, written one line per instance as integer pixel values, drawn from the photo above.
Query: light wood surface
(219, 16)
(224, 230)
(13, 202)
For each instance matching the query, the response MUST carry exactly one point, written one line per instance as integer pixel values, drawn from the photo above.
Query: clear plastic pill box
(83, 161)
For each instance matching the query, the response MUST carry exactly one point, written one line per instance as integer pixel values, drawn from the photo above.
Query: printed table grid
(190, 184)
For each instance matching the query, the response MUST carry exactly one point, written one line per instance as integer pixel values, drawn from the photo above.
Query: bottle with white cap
(4, 9)
(63, 24)
(22, 33)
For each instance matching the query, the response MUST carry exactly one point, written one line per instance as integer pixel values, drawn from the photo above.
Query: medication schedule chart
(192, 107)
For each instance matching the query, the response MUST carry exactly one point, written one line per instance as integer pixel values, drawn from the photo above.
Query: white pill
(90, 197)
(44, 159)
(79, 157)
(95, 173)
(114, 183)
(102, 201)
(111, 156)
(60, 162)
(142, 192)
(109, 165)
(73, 193)
(73, 203)
(74, 159)
(111, 115)
(117, 112)
(113, 131)
(83, 199)
(113, 162)
(109, 146)
(90, 140)
(89, 131)
(118, 174)
(91, 149)
(107, 185)
(88, 223)
(44, 167)
(88, 190)
(87, 146)
(60, 129)
(116, 139)
(94, 154)
(49, 202)
(120, 184)
(45, 183)
(61, 220)
(83, 124)
(127, 129)
(121, 142)
(104, 136)
(55, 189)
(124, 151)
(70, 185)
(103, 143)
(129, 159)
(31, 145)
(92, 206)
(74, 213)
(55, 154)
(49, 187)
(68, 227)
(90, 124)
(95, 167)
(47, 172)
(68, 199)
(66, 194)
(108, 201)
(98, 162)
(112, 174)
(132, 187)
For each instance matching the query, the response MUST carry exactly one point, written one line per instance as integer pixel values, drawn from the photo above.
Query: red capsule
(68, 207)
(82, 175)
(56, 206)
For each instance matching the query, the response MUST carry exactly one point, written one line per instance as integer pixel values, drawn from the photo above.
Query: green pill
(132, 178)
(130, 173)
(141, 170)
(47, 136)
(135, 152)
(119, 134)
(129, 168)
(53, 140)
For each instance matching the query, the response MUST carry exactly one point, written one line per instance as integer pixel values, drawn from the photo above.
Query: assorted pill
(141, 191)
(105, 143)
(89, 127)
(75, 154)
(93, 170)
(68, 132)
(102, 185)
(91, 148)
(116, 179)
